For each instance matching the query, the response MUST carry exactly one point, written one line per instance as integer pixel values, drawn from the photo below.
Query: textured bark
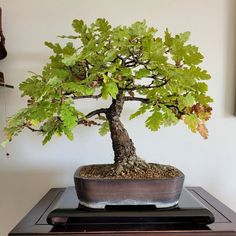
(125, 153)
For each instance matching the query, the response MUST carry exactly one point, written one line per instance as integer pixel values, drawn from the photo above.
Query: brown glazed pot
(97, 192)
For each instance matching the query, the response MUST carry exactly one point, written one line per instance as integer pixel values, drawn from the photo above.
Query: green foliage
(142, 73)
(109, 88)
(142, 109)
(104, 129)
(192, 122)
(163, 74)
(153, 122)
(168, 117)
(68, 115)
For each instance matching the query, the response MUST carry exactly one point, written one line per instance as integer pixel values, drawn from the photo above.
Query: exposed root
(129, 165)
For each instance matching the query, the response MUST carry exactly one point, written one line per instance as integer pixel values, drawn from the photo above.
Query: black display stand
(35, 222)
(68, 212)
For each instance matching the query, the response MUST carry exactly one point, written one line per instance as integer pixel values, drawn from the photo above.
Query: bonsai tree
(123, 64)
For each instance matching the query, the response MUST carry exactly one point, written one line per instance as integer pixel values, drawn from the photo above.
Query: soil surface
(153, 171)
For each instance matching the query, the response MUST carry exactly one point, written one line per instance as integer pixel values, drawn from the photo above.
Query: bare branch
(145, 87)
(97, 112)
(93, 113)
(32, 129)
(173, 107)
(87, 96)
(138, 99)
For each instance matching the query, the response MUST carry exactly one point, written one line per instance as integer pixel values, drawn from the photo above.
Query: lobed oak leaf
(201, 128)
(202, 111)
(198, 108)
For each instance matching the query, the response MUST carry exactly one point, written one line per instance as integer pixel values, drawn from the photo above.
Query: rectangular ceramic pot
(97, 192)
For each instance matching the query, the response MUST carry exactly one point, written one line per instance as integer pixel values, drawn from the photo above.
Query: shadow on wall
(22, 190)
(230, 61)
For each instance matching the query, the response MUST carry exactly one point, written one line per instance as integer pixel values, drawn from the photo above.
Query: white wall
(32, 169)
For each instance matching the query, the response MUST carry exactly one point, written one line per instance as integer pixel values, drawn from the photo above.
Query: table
(34, 223)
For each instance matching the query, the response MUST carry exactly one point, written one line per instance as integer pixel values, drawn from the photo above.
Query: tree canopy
(163, 74)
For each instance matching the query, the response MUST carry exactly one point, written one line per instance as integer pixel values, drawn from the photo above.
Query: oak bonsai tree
(123, 64)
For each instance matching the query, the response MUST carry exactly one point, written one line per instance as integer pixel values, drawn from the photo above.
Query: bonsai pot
(100, 192)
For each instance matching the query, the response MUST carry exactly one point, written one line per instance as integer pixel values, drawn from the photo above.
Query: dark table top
(34, 223)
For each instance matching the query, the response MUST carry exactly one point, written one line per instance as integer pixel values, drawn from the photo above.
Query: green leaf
(69, 49)
(192, 122)
(154, 51)
(68, 115)
(18, 119)
(142, 109)
(33, 87)
(185, 101)
(68, 133)
(183, 37)
(111, 55)
(79, 26)
(70, 60)
(142, 73)
(127, 72)
(104, 129)
(55, 47)
(138, 28)
(103, 25)
(78, 89)
(57, 75)
(109, 88)
(201, 87)
(189, 100)
(15, 125)
(204, 100)
(50, 127)
(68, 37)
(192, 56)
(48, 137)
(154, 121)
(168, 38)
(199, 73)
(178, 49)
(54, 81)
(168, 117)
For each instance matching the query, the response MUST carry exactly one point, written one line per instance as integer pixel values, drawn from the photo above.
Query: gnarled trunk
(125, 153)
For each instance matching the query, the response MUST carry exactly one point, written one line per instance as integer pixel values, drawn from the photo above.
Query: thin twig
(87, 96)
(138, 99)
(33, 130)
(145, 87)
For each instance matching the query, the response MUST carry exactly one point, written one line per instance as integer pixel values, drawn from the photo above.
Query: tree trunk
(125, 156)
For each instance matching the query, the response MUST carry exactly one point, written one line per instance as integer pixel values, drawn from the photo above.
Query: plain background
(31, 169)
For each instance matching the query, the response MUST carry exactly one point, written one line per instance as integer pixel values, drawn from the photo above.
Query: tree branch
(93, 113)
(97, 112)
(146, 100)
(87, 96)
(146, 87)
(32, 129)
(139, 99)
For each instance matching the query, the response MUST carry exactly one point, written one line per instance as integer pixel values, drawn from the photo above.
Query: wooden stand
(34, 223)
